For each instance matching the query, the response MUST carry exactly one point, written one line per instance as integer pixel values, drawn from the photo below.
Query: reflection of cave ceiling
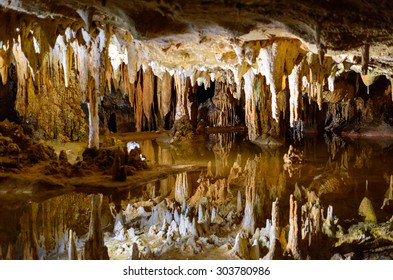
(344, 25)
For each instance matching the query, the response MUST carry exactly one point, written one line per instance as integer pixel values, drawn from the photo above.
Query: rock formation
(195, 76)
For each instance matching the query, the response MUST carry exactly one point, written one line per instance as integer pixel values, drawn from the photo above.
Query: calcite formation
(271, 72)
(66, 59)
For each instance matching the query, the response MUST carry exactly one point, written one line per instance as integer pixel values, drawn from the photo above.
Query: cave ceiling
(213, 33)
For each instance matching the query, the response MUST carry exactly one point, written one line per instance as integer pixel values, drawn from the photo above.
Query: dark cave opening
(202, 105)
(8, 94)
(112, 123)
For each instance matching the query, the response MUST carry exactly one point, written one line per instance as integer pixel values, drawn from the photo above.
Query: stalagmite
(72, 252)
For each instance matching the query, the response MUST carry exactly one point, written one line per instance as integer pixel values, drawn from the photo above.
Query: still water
(340, 171)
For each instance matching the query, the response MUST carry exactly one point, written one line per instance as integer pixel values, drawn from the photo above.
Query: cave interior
(198, 129)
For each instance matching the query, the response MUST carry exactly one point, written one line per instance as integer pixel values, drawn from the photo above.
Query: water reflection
(335, 170)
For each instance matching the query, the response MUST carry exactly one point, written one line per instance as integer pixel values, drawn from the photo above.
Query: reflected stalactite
(10, 252)
(334, 144)
(183, 188)
(250, 106)
(28, 239)
(248, 223)
(275, 251)
(293, 245)
(94, 248)
(222, 149)
(72, 252)
(388, 194)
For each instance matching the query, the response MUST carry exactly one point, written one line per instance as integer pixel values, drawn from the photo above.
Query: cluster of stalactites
(106, 56)
(48, 55)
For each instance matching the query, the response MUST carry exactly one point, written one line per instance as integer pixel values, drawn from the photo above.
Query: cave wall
(62, 67)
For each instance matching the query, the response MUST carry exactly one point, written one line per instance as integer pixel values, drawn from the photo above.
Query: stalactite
(181, 95)
(320, 46)
(368, 79)
(64, 54)
(5, 61)
(365, 58)
(148, 93)
(224, 115)
(274, 61)
(92, 106)
(138, 106)
(295, 99)
(164, 94)
(250, 107)
(87, 16)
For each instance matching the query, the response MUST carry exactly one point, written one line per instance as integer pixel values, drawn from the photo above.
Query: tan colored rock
(366, 210)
